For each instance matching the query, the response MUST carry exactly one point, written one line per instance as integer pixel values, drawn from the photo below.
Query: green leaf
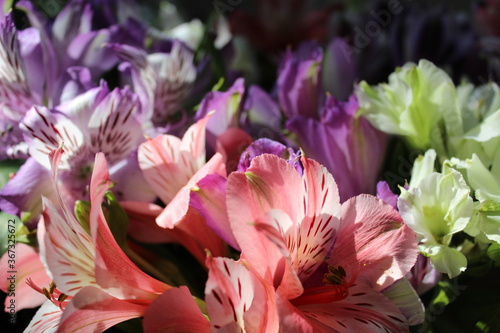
(82, 213)
(7, 168)
(493, 253)
(117, 218)
(11, 228)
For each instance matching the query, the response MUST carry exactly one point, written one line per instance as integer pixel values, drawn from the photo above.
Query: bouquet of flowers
(249, 166)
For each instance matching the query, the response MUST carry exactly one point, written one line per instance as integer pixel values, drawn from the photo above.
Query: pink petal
(208, 197)
(231, 144)
(275, 265)
(193, 142)
(373, 240)
(142, 222)
(46, 319)
(113, 269)
(364, 310)
(293, 320)
(264, 186)
(178, 206)
(236, 299)
(175, 311)
(317, 231)
(199, 236)
(67, 249)
(169, 163)
(93, 310)
(27, 264)
(158, 160)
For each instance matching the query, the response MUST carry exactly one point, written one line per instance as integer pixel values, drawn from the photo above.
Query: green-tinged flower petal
(480, 115)
(487, 129)
(478, 103)
(438, 208)
(422, 167)
(479, 178)
(485, 224)
(486, 221)
(406, 299)
(446, 259)
(412, 104)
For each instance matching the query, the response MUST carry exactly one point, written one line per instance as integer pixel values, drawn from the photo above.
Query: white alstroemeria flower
(437, 207)
(485, 224)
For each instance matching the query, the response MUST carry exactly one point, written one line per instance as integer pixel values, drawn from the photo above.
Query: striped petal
(237, 300)
(179, 205)
(15, 95)
(114, 271)
(46, 319)
(364, 310)
(175, 74)
(47, 131)
(93, 310)
(169, 163)
(67, 249)
(113, 128)
(315, 234)
(158, 160)
(373, 239)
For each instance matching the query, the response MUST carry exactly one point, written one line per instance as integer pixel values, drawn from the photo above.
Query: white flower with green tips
(480, 134)
(485, 225)
(436, 209)
(414, 104)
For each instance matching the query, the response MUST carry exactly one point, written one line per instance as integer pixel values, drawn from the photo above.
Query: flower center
(335, 288)
(52, 293)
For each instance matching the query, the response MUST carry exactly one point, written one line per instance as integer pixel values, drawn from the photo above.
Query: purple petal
(261, 114)
(130, 182)
(384, 192)
(423, 277)
(339, 72)
(259, 147)
(77, 81)
(23, 192)
(299, 81)
(348, 146)
(32, 55)
(226, 106)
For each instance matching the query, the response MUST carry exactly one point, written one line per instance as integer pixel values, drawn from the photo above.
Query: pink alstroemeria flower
(236, 301)
(27, 264)
(327, 263)
(172, 167)
(95, 284)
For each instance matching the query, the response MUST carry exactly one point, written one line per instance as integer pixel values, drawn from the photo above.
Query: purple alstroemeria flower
(162, 79)
(299, 84)
(346, 144)
(51, 62)
(15, 93)
(339, 69)
(227, 107)
(97, 121)
(261, 116)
